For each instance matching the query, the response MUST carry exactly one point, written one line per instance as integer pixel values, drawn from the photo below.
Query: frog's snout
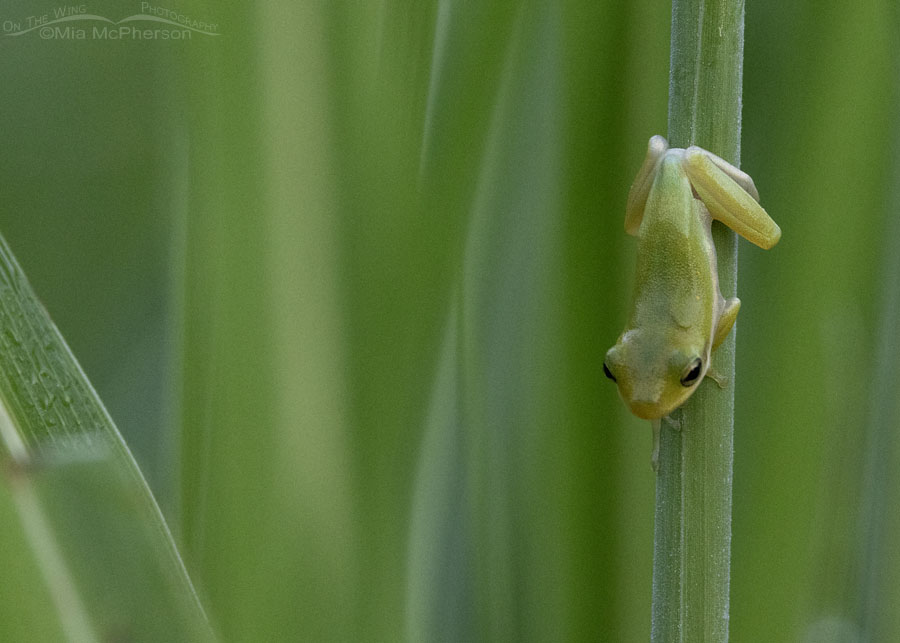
(647, 409)
(644, 402)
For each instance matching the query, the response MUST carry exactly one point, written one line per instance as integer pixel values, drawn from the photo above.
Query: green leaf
(79, 502)
(692, 548)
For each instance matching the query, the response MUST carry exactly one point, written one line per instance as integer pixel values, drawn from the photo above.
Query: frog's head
(655, 372)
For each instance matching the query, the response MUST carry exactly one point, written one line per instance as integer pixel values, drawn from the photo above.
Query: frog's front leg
(730, 197)
(726, 321)
(640, 189)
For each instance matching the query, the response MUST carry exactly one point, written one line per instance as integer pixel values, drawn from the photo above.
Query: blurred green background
(345, 272)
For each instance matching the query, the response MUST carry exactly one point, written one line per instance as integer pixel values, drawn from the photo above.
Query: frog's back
(675, 279)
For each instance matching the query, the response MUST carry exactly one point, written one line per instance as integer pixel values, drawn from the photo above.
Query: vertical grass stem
(692, 538)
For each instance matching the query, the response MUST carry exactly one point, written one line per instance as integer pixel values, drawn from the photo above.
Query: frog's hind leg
(730, 197)
(738, 176)
(640, 189)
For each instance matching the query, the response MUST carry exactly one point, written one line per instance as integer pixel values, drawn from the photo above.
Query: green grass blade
(497, 419)
(508, 337)
(267, 507)
(799, 435)
(877, 526)
(692, 560)
(95, 531)
(440, 589)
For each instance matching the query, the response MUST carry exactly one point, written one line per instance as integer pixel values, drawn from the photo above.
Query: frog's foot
(717, 377)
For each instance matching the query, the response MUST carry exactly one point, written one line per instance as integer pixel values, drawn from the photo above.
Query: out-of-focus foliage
(362, 261)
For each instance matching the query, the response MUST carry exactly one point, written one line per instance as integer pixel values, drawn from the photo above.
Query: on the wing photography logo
(77, 22)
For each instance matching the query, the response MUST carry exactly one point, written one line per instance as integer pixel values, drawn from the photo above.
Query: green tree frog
(678, 316)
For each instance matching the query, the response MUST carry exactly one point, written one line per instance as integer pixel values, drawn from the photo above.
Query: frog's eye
(608, 373)
(691, 373)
